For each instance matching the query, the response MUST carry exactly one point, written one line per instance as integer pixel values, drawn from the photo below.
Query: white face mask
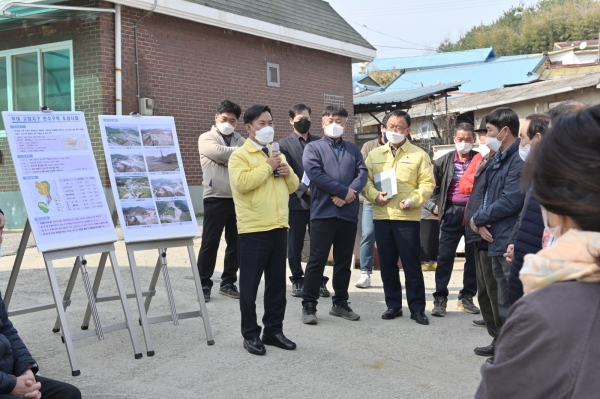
(225, 128)
(265, 135)
(493, 143)
(483, 150)
(334, 130)
(524, 152)
(463, 148)
(395, 138)
(556, 231)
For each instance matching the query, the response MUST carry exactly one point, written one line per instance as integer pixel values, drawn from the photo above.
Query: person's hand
(2, 221)
(338, 201)
(405, 204)
(27, 387)
(435, 210)
(510, 253)
(473, 227)
(351, 196)
(381, 200)
(274, 161)
(283, 169)
(485, 233)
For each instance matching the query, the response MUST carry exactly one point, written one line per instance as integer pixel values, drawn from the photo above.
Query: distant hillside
(526, 30)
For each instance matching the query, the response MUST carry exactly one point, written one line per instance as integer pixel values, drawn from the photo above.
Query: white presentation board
(59, 179)
(147, 177)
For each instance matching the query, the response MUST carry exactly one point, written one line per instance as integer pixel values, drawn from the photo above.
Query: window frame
(276, 66)
(39, 50)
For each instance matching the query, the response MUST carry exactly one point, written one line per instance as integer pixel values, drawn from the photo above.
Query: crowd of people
(526, 201)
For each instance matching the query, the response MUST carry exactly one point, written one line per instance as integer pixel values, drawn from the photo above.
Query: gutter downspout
(118, 81)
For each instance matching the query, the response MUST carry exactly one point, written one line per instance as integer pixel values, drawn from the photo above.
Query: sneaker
(479, 323)
(323, 291)
(230, 290)
(439, 306)
(342, 310)
(466, 304)
(206, 292)
(364, 281)
(486, 350)
(309, 314)
(297, 289)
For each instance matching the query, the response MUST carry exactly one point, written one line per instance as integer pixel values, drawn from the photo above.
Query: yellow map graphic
(43, 188)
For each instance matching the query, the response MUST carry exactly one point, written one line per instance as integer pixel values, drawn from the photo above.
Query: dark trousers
(52, 389)
(451, 231)
(299, 222)
(219, 214)
(487, 292)
(399, 238)
(323, 234)
(262, 252)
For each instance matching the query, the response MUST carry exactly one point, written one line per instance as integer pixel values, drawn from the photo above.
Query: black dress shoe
(255, 346)
(420, 318)
(485, 350)
(391, 314)
(278, 340)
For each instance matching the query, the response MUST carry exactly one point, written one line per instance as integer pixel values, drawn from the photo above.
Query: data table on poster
(146, 174)
(59, 180)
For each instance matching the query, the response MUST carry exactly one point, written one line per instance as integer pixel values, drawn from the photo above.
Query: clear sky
(413, 27)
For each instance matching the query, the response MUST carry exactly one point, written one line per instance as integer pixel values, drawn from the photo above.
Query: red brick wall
(187, 68)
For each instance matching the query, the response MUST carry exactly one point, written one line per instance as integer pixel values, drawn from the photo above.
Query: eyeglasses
(398, 129)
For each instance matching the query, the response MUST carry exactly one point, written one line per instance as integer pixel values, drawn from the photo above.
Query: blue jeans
(367, 241)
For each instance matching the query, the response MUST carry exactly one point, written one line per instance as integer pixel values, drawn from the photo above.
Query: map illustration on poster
(59, 179)
(146, 174)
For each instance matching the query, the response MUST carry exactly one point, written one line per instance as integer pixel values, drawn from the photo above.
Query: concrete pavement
(336, 358)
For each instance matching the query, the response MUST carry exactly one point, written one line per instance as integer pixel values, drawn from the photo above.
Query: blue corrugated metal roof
(398, 96)
(511, 57)
(433, 60)
(481, 77)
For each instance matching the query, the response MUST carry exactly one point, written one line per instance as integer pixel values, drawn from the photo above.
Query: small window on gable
(273, 77)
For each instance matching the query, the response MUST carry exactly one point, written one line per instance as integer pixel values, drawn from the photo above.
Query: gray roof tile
(312, 16)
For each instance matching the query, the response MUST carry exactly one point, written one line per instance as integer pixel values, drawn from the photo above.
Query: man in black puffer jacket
(18, 368)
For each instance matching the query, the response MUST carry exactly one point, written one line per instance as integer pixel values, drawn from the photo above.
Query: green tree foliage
(534, 29)
(384, 78)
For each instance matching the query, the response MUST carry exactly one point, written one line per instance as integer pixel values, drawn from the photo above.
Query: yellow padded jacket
(414, 180)
(261, 200)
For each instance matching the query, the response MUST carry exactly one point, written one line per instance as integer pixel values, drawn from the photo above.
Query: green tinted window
(3, 90)
(57, 80)
(26, 83)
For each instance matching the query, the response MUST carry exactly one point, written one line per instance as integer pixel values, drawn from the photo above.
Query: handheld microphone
(275, 151)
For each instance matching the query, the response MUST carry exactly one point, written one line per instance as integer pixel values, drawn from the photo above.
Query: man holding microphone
(261, 183)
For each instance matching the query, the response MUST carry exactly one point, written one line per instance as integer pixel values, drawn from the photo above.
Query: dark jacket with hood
(504, 198)
(330, 176)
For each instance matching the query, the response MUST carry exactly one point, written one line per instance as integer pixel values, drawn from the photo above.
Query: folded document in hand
(386, 182)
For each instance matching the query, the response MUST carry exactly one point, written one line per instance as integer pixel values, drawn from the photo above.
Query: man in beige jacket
(215, 147)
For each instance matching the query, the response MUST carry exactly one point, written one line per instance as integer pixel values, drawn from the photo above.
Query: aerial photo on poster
(123, 136)
(161, 160)
(168, 188)
(140, 214)
(133, 187)
(173, 211)
(127, 163)
(157, 135)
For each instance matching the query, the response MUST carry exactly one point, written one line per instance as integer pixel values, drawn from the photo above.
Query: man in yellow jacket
(397, 218)
(261, 184)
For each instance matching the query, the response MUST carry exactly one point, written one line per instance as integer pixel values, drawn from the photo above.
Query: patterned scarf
(572, 257)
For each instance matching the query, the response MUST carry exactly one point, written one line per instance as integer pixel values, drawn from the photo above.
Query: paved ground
(336, 358)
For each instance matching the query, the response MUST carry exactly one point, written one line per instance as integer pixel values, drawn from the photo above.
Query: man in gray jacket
(215, 147)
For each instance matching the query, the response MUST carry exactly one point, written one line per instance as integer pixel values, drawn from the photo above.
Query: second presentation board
(146, 172)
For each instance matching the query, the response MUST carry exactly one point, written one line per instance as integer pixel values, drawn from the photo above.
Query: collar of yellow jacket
(573, 256)
(403, 147)
(251, 147)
